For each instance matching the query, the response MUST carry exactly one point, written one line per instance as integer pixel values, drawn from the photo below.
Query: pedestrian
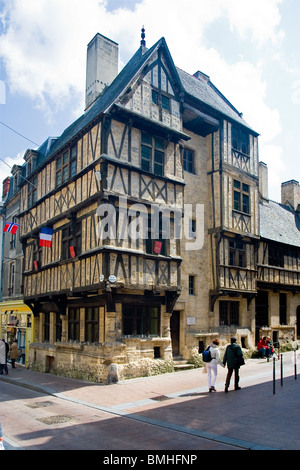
(14, 353)
(262, 347)
(212, 366)
(234, 358)
(3, 357)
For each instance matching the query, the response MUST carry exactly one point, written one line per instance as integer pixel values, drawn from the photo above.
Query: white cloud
(44, 48)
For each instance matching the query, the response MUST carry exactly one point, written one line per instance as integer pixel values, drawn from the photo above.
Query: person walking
(14, 353)
(3, 358)
(212, 366)
(234, 358)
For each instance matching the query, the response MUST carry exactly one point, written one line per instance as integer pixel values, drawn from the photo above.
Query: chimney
(263, 180)
(290, 193)
(101, 67)
(5, 187)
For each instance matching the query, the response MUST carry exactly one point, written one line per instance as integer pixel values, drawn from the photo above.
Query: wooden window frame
(192, 284)
(237, 253)
(229, 312)
(91, 324)
(152, 154)
(66, 165)
(240, 140)
(71, 236)
(141, 320)
(74, 324)
(189, 160)
(241, 197)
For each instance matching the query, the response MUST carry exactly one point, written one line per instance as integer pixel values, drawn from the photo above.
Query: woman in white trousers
(212, 366)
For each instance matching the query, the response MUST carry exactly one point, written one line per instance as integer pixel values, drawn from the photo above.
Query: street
(160, 413)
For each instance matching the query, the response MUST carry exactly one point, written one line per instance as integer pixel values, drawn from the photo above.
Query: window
(240, 140)
(71, 237)
(66, 165)
(11, 288)
(154, 97)
(74, 324)
(241, 197)
(92, 325)
(237, 253)
(165, 102)
(276, 256)
(229, 313)
(13, 237)
(191, 285)
(32, 192)
(156, 244)
(141, 321)
(188, 160)
(152, 154)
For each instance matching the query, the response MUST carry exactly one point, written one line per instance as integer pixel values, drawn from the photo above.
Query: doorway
(175, 332)
(261, 312)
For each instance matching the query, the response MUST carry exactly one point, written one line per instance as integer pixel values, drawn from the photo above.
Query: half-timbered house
(151, 200)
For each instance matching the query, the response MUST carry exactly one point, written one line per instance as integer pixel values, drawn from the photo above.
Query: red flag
(72, 251)
(157, 247)
(10, 227)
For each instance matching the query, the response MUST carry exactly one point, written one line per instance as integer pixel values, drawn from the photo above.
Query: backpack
(206, 355)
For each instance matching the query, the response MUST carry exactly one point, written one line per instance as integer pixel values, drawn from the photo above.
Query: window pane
(237, 201)
(165, 102)
(146, 139)
(246, 204)
(154, 97)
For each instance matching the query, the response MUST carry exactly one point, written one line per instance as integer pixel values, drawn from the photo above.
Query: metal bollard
(273, 375)
(295, 363)
(281, 370)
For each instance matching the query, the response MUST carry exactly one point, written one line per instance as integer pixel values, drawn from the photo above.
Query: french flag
(11, 228)
(46, 237)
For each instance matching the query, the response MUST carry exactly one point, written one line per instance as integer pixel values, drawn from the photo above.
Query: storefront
(17, 324)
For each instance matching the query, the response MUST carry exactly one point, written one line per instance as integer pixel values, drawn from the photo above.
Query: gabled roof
(199, 90)
(279, 223)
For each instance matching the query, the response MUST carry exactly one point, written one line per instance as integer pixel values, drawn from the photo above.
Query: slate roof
(279, 223)
(197, 89)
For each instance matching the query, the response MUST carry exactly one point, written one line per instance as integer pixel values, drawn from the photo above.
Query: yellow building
(17, 324)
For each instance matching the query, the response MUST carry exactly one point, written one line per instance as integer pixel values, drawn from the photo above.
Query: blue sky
(249, 48)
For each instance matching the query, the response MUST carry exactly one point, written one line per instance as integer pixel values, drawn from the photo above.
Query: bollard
(281, 370)
(273, 375)
(295, 364)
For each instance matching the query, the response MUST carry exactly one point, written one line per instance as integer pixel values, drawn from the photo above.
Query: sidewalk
(252, 418)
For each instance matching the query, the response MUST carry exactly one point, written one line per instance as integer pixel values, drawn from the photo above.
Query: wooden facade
(153, 139)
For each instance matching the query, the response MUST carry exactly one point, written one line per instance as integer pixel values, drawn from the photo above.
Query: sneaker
(237, 388)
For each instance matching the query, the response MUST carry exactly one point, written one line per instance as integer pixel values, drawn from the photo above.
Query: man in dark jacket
(233, 357)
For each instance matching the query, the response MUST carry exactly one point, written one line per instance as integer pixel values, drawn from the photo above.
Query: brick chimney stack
(101, 66)
(5, 187)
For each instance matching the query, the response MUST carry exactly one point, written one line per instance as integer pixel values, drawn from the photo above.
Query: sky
(250, 49)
